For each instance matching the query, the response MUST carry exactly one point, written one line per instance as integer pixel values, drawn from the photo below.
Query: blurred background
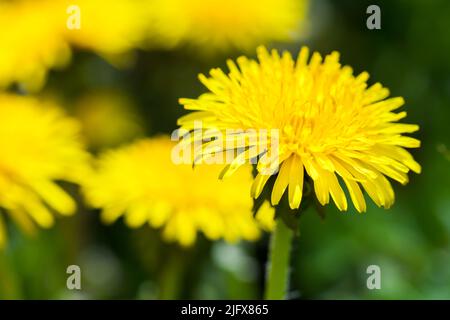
(127, 94)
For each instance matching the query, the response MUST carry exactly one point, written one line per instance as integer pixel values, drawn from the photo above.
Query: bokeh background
(118, 102)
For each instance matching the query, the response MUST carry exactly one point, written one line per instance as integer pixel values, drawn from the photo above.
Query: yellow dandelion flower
(141, 183)
(38, 146)
(31, 42)
(329, 124)
(220, 24)
(36, 36)
(107, 27)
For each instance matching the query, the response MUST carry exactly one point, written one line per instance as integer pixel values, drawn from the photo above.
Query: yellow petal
(159, 214)
(321, 189)
(111, 214)
(296, 182)
(236, 163)
(336, 191)
(136, 216)
(55, 196)
(281, 182)
(37, 211)
(258, 184)
(23, 220)
(356, 195)
(266, 216)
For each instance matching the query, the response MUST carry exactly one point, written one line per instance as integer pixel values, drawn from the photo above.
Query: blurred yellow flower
(220, 24)
(31, 41)
(141, 183)
(329, 123)
(108, 27)
(35, 37)
(108, 118)
(38, 146)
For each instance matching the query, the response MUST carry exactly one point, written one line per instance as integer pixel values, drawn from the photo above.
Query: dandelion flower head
(31, 41)
(331, 124)
(39, 146)
(141, 183)
(221, 24)
(107, 27)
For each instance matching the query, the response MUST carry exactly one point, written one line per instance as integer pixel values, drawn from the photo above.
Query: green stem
(277, 277)
(170, 281)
